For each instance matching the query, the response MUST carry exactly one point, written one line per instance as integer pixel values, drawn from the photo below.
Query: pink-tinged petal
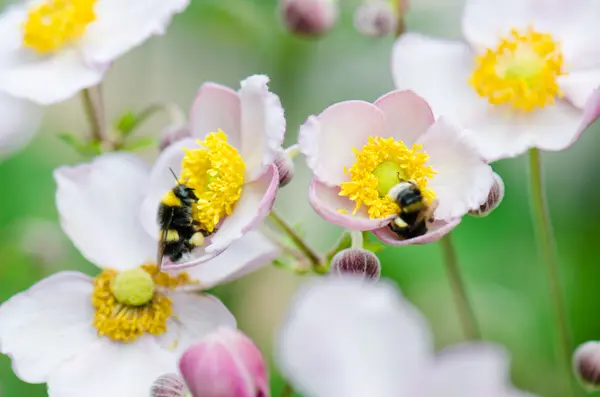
(463, 180)
(579, 85)
(113, 369)
(195, 316)
(161, 181)
(438, 71)
(263, 125)
(47, 325)
(50, 79)
(407, 115)
(467, 370)
(251, 209)
(225, 363)
(217, 107)
(121, 26)
(436, 231)
(328, 140)
(336, 209)
(244, 256)
(591, 111)
(365, 340)
(99, 207)
(20, 121)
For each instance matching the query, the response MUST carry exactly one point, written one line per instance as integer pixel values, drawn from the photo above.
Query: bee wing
(162, 240)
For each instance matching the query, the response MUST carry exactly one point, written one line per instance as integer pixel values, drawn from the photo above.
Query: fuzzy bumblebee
(414, 213)
(179, 232)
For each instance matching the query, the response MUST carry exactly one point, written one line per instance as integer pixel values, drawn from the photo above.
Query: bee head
(185, 193)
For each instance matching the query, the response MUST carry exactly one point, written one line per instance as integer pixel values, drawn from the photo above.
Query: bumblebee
(414, 213)
(179, 233)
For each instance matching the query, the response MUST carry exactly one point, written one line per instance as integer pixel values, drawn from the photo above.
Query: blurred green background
(227, 40)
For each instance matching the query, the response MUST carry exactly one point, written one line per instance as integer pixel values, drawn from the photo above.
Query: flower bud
(309, 17)
(358, 262)
(285, 166)
(173, 134)
(376, 18)
(169, 385)
(225, 363)
(586, 364)
(494, 198)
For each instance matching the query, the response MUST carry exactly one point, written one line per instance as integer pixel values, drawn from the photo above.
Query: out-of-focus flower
(377, 18)
(359, 151)
(115, 333)
(20, 121)
(523, 78)
(51, 49)
(344, 337)
(172, 135)
(169, 385)
(309, 17)
(225, 363)
(358, 262)
(494, 198)
(43, 241)
(586, 364)
(229, 161)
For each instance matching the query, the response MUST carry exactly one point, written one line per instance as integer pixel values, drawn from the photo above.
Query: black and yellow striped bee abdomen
(414, 213)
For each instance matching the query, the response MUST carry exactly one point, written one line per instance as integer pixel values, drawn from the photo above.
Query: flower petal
(113, 369)
(253, 206)
(120, 27)
(591, 111)
(407, 115)
(244, 256)
(48, 324)
(217, 107)
(327, 140)
(263, 125)
(579, 85)
(336, 209)
(435, 231)
(437, 70)
(344, 337)
(50, 79)
(99, 206)
(195, 316)
(20, 122)
(463, 180)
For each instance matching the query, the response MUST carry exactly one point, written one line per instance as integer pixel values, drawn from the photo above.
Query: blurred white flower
(523, 78)
(112, 335)
(19, 121)
(344, 337)
(51, 49)
(235, 140)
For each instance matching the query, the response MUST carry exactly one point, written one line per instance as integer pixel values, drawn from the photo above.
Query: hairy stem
(465, 311)
(94, 109)
(547, 249)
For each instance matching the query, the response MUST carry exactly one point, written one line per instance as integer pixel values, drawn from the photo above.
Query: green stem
(95, 114)
(287, 391)
(307, 250)
(357, 239)
(175, 114)
(547, 249)
(465, 311)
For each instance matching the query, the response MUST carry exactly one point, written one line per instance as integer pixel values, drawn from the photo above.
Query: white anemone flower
(20, 120)
(114, 334)
(345, 337)
(51, 49)
(523, 78)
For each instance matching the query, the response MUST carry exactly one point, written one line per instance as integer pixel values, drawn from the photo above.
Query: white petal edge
(47, 324)
(365, 337)
(263, 125)
(435, 231)
(579, 85)
(20, 122)
(327, 140)
(99, 208)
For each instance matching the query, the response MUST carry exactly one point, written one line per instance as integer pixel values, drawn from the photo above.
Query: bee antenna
(174, 176)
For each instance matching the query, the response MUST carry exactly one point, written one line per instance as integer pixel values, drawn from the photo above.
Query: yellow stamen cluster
(366, 174)
(124, 322)
(522, 71)
(216, 172)
(55, 24)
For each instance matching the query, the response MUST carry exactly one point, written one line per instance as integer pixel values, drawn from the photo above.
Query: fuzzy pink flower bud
(168, 385)
(494, 198)
(358, 262)
(309, 17)
(225, 364)
(285, 166)
(586, 364)
(376, 18)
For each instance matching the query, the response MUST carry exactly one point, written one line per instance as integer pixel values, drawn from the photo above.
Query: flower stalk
(465, 311)
(547, 249)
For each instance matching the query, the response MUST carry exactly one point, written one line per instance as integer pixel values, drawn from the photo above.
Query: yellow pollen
(216, 172)
(125, 322)
(55, 24)
(381, 164)
(521, 71)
